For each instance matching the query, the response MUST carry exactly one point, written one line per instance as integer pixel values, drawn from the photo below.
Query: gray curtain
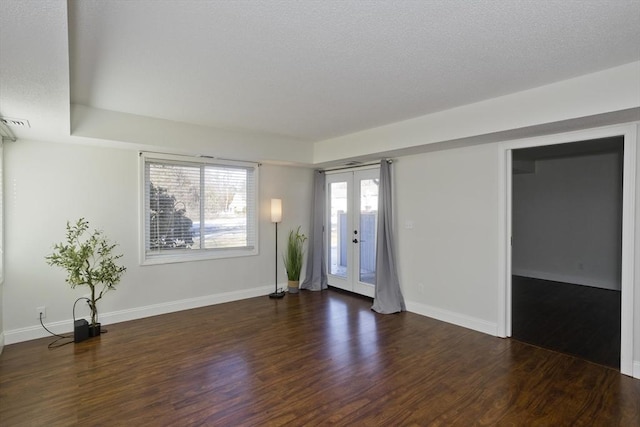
(316, 275)
(388, 297)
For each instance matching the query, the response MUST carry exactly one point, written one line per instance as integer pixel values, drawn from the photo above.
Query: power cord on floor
(54, 344)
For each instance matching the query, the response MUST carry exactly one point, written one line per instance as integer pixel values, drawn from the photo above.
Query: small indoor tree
(293, 257)
(88, 260)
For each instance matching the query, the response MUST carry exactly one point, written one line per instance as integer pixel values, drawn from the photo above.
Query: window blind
(193, 205)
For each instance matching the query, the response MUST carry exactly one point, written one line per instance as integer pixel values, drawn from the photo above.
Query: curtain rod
(203, 156)
(356, 166)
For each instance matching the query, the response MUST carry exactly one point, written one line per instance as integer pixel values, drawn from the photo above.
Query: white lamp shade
(276, 210)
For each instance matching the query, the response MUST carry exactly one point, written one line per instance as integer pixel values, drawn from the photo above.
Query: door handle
(355, 240)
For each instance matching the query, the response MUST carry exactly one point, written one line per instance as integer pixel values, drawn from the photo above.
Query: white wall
(112, 128)
(448, 258)
(47, 184)
(532, 112)
(447, 236)
(1, 242)
(636, 327)
(1, 316)
(567, 220)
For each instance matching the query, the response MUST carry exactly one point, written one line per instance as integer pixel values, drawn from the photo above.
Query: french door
(352, 217)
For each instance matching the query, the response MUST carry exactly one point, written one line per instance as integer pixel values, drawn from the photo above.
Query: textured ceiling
(306, 69)
(316, 70)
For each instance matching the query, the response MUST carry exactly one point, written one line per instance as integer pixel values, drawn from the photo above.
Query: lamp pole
(276, 217)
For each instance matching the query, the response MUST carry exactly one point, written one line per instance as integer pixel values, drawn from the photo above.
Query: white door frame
(360, 287)
(351, 282)
(345, 282)
(629, 132)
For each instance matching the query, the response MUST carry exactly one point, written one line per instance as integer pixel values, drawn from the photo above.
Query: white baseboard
(1, 342)
(65, 326)
(636, 369)
(457, 319)
(566, 278)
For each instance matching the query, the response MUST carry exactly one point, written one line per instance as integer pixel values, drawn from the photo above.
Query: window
(196, 208)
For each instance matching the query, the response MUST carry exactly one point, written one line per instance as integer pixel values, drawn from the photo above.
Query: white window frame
(188, 255)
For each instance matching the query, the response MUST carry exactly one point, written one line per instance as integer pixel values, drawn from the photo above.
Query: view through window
(194, 206)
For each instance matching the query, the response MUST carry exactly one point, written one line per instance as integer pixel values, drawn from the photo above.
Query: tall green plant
(89, 261)
(294, 254)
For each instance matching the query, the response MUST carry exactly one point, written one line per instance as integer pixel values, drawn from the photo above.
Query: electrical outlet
(41, 310)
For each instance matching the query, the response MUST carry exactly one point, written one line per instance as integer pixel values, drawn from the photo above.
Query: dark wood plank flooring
(308, 359)
(580, 320)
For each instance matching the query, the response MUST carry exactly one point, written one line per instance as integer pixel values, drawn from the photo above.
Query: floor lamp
(276, 217)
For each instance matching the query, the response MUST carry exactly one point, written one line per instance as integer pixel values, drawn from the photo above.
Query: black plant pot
(94, 330)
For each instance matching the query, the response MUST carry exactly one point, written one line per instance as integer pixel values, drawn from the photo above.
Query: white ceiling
(306, 69)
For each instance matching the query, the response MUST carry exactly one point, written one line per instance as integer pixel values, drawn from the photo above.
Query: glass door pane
(368, 224)
(352, 205)
(338, 229)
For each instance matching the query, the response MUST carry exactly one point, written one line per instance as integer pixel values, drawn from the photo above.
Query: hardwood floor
(580, 320)
(308, 359)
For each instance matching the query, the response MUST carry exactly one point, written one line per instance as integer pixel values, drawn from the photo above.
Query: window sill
(199, 255)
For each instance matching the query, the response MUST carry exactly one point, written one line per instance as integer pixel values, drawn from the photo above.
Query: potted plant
(89, 261)
(293, 258)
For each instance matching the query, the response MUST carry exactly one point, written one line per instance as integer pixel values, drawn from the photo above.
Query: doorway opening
(629, 133)
(567, 247)
(352, 216)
